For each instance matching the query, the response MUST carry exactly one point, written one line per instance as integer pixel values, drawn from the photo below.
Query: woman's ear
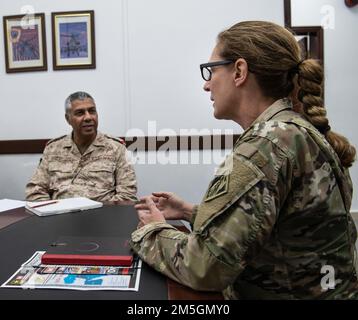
(241, 71)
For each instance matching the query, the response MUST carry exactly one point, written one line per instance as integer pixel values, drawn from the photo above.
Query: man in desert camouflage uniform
(84, 163)
(253, 238)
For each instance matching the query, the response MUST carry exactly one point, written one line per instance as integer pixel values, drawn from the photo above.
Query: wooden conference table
(21, 234)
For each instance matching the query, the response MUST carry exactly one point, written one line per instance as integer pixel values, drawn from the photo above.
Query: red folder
(91, 251)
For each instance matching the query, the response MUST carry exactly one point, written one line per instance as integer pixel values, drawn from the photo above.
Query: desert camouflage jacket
(273, 224)
(102, 173)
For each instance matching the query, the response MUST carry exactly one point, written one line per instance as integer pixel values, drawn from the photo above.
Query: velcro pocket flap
(60, 166)
(251, 152)
(243, 176)
(96, 167)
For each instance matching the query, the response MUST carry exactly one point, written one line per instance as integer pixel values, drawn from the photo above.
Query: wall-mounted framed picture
(25, 43)
(73, 40)
(310, 39)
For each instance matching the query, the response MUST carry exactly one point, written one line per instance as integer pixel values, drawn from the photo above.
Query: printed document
(34, 275)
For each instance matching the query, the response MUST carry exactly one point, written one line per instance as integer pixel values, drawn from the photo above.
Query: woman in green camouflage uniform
(275, 220)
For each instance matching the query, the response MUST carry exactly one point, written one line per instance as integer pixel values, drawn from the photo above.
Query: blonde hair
(274, 57)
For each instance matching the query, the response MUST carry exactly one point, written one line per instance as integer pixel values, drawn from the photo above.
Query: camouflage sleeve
(38, 188)
(193, 216)
(212, 258)
(232, 223)
(125, 179)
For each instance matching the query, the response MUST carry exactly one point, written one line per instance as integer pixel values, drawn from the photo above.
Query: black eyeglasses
(205, 68)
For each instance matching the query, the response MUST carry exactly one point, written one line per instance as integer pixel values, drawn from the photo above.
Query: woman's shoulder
(277, 129)
(287, 134)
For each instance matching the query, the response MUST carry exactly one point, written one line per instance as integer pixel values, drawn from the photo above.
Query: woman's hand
(148, 212)
(162, 205)
(172, 207)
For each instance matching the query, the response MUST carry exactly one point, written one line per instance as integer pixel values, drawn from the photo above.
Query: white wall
(167, 42)
(148, 56)
(34, 101)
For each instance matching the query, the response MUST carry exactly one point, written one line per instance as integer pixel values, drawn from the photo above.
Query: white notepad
(51, 207)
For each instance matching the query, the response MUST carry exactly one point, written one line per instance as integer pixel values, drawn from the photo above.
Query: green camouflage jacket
(273, 224)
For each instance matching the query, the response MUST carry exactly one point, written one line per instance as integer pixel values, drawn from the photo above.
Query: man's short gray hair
(79, 95)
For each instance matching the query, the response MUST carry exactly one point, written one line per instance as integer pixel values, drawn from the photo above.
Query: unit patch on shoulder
(218, 187)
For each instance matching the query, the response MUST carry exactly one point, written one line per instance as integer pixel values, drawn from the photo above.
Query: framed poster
(25, 43)
(73, 40)
(310, 39)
